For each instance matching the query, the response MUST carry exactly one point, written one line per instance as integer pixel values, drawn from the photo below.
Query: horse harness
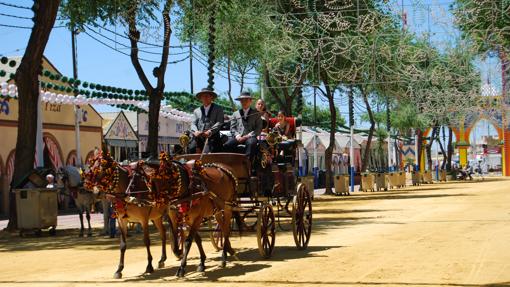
(197, 189)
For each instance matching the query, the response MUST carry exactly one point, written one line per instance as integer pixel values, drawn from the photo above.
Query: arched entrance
(488, 109)
(485, 145)
(3, 184)
(9, 167)
(52, 152)
(72, 158)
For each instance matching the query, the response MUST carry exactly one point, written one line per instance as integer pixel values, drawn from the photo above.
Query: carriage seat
(293, 122)
(289, 145)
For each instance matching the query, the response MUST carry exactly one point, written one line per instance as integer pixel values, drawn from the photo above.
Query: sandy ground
(453, 234)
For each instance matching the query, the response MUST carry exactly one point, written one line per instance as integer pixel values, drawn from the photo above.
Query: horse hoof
(223, 264)
(117, 275)
(201, 268)
(149, 270)
(161, 264)
(80, 235)
(180, 272)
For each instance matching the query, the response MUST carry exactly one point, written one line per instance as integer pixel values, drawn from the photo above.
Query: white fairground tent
(316, 140)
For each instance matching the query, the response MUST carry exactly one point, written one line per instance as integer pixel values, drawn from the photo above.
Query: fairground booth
(58, 126)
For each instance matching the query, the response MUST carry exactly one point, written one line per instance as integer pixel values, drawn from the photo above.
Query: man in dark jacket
(245, 126)
(207, 121)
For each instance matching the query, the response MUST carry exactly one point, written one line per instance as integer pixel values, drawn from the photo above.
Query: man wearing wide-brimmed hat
(207, 121)
(245, 126)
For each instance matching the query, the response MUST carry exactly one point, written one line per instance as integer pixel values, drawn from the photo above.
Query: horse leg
(161, 228)
(225, 227)
(198, 241)
(187, 245)
(82, 228)
(106, 216)
(147, 241)
(87, 214)
(123, 246)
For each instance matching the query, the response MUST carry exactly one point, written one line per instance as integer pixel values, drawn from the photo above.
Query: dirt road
(454, 234)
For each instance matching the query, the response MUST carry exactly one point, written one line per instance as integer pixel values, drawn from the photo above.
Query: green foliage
(187, 102)
(323, 116)
(78, 13)
(406, 117)
(486, 22)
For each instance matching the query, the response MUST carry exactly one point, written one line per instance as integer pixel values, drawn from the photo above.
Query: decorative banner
(120, 129)
(11, 90)
(168, 127)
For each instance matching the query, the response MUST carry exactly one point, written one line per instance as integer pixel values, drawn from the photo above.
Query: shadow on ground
(249, 261)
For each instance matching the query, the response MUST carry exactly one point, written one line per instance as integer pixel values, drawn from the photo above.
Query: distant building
(126, 134)
(58, 133)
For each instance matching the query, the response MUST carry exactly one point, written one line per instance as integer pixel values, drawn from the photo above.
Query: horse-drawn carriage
(196, 188)
(262, 209)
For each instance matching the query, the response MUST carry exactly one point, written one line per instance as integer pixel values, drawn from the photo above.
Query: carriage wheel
(216, 234)
(266, 230)
(302, 217)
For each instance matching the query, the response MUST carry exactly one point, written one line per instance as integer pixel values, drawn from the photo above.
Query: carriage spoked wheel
(302, 217)
(266, 230)
(216, 234)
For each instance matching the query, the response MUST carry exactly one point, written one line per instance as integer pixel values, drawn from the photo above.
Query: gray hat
(206, 91)
(244, 95)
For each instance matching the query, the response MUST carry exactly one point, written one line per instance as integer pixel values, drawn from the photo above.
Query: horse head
(167, 178)
(61, 177)
(103, 174)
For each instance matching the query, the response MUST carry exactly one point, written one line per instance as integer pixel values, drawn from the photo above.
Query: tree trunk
(329, 150)
(286, 103)
(443, 165)
(241, 84)
(154, 106)
(366, 155)
(429, 147)
(450, 150)
(28, 96)
(289, 102)
(155, 94)
(420, 146)
(211, 46)
(232, 104)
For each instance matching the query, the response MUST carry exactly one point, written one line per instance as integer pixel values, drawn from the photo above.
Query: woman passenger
(264, 114)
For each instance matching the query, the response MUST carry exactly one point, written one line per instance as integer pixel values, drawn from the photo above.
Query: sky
(107, 65)
(98, 63)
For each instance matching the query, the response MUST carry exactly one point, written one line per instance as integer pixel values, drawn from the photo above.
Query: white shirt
(206, 109)
(246, 112)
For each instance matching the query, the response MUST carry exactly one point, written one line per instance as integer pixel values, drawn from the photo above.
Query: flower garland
(198, 168)
(106, 166)
(168, 173)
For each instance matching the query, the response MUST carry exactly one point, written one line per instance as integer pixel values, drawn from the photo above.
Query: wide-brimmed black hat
(206, 91)
(244, 95)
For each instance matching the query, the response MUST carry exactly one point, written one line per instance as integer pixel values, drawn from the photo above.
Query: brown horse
(210, 191)
(133, 202)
